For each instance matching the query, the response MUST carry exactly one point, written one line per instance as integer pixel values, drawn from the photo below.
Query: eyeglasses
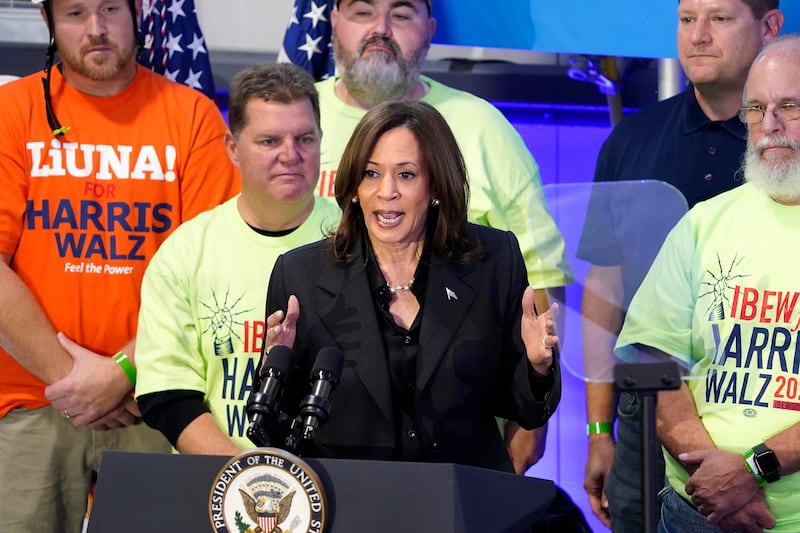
(755, 114)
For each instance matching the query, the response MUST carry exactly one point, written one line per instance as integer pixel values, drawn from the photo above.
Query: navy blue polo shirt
(671, 141)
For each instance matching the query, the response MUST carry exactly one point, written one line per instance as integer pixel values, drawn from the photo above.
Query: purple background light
(565, 141)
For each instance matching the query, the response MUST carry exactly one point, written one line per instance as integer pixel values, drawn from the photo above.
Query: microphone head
(330, 360)
(280, 358)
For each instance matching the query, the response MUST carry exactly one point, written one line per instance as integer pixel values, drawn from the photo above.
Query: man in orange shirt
(96, 171)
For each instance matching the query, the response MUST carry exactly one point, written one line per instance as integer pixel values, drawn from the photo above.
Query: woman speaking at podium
(432, 314)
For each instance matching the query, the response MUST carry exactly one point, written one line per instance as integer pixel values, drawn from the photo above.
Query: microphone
(315, 408)
(263, 400)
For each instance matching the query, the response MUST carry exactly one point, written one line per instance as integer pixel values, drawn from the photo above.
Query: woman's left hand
(538, 333)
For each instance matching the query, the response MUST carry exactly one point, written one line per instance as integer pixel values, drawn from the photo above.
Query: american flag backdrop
(174, 44)
(307, 41)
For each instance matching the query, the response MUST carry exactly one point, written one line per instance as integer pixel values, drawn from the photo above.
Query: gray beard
(779, 179)
(380, 77)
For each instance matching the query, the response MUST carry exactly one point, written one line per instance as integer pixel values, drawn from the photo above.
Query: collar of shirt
(695, 119)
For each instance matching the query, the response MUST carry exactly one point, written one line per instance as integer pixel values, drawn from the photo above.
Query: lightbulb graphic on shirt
(720, 286)
(222, 321)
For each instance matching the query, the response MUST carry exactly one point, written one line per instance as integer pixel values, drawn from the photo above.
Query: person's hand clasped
(125, 414)
(94, 389)
(752, 517)
(538, 333)
(720, 485)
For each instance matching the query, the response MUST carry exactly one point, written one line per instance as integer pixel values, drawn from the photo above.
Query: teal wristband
(596, 428)
(125, 364)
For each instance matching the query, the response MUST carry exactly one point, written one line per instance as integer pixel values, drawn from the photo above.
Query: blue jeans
(624, 485)
(679, 516)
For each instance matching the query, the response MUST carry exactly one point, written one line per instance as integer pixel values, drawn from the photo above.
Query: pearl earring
(354, 200)
(435, 202)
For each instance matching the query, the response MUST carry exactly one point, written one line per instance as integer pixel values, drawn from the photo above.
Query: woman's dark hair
(450, 238)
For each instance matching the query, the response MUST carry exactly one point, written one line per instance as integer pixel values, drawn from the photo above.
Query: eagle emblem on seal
(267, 507)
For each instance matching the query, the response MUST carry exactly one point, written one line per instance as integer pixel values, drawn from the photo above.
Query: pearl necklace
(406, 287)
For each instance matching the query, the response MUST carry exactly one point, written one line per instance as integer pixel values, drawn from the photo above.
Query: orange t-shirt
(82, 214)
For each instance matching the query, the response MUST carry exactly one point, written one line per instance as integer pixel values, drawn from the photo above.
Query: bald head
(785, 48)
(785, 44)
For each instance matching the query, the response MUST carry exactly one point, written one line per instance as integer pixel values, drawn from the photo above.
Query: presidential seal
(267, 490)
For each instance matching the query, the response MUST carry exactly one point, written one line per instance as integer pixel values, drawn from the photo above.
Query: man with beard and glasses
(722, 297)
(100, 161)
(694, 142)
(380, 47)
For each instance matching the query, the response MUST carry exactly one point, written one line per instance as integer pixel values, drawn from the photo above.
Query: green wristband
(750, 465)
(596, 428)
(125, 364)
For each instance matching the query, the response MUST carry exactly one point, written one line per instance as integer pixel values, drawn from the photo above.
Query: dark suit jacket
(471, 365)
